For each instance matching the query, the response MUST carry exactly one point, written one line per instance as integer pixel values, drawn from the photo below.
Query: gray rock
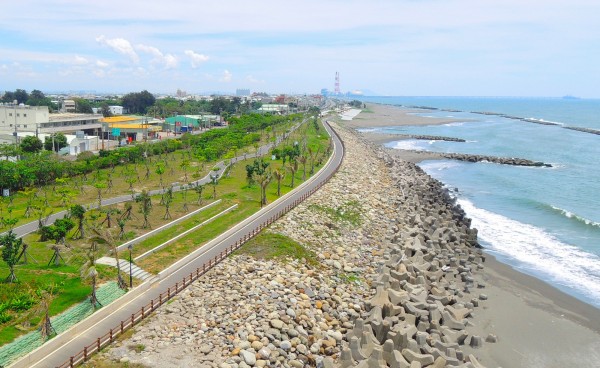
(249, 357)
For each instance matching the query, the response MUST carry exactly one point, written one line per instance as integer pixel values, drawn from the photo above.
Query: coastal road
(55, 354)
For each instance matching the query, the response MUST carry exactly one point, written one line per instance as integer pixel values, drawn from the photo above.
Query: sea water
(542, 221)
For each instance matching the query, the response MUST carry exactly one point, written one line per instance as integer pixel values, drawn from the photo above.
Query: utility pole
(15, 133)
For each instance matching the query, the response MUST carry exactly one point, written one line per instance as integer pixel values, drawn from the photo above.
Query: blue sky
(396, 47)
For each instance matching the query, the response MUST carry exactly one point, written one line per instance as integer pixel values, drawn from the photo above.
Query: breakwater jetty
(585, 130)
(512, 117)
(430, 137)
(430, 155)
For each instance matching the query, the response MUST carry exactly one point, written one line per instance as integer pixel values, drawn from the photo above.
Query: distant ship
(569, 97)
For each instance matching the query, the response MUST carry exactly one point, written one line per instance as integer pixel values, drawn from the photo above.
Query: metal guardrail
(164, 297)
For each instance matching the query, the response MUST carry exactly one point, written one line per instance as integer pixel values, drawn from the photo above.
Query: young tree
(185, 164)
(99, 185)
(31, 144)
(167, 200)
(160, 170)
(145, 202)
(78, 212)
(198, 188)
(56, 256)
(184, 190)
(11, 245)
(121, 222)
(88, 271)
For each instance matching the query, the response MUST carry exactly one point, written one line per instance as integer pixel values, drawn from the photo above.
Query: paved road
(56, 356)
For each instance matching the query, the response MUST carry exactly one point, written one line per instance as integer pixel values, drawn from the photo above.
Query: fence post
(121, 326)
(152, 304)
(176, 287)
(98, 342)
(160, 299)
(84, 353)
(169, 293)
(143, 312)
(132, 319)
(71, 362)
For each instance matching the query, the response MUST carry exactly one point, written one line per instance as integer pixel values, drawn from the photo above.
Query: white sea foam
(439, 165)
(546, 121)
(409, 144)
(574, 216)
(454, 124)
(535, 249)
(367, 130)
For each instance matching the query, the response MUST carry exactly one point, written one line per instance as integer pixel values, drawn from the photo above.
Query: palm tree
(46, 328)
(302, 160)
(263, 180)
(88, 271)
(104, 236)
(293, 168)
(279, 175)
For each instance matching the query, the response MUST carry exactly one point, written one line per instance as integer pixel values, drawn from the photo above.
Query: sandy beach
(536, 324)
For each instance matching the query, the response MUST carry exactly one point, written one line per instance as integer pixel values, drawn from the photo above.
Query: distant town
(70, 124)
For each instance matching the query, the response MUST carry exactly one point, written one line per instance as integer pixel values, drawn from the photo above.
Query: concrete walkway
(136, 272)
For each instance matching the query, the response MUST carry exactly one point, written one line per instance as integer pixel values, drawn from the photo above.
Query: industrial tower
(337, 84)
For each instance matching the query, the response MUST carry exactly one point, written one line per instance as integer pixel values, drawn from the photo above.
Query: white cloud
(101, 64)
(149, 49)
(226, 77)
(169, 61)
(120, 45)
(251, 79)
(80, 60)
(197, 59)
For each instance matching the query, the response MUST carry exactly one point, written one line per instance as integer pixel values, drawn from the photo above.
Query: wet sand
(536, 324)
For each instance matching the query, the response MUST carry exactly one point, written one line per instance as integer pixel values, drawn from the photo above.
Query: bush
(5, 317)
(21, 303)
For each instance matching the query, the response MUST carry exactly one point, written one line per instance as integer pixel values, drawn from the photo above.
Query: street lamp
(130, 247)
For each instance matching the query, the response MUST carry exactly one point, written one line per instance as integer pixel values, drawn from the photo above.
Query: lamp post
(130, 247)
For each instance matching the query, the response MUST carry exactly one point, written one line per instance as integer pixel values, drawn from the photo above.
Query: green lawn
(65, 280)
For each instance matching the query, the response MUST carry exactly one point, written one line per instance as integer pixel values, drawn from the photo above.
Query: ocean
(542, 221)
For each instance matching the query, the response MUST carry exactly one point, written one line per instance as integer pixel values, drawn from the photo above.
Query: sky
(384, 47)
